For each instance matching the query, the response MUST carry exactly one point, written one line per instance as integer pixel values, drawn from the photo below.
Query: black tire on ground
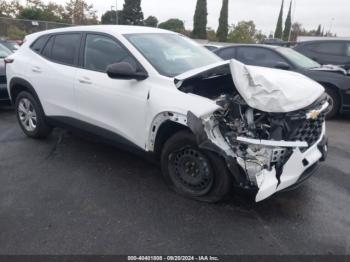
(41, 129)
(208, 180)
(334, 102)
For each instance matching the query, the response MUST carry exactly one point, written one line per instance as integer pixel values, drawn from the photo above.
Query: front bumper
(294, 169)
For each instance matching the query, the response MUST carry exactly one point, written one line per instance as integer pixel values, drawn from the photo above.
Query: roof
(251, 45)
(110, 29)
(320, 38)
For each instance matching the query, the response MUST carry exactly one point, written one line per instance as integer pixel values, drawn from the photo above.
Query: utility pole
(116, 12)
(111, 14)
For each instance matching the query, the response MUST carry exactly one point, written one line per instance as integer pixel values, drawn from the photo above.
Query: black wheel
(31, 116)
(194, 172)
(334, 103)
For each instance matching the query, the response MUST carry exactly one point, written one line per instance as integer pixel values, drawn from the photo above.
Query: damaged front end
(266, 150)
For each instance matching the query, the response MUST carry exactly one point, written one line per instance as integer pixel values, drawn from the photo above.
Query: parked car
(10, 44)
(211, 47)
(275, 41)
(335, 80)
(4, 52)
(334, 52)
(203, 118)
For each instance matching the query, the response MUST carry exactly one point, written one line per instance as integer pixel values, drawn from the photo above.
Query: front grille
(309, 131)
(3, 80)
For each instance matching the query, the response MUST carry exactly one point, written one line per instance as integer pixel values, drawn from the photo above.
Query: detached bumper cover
(293, 170)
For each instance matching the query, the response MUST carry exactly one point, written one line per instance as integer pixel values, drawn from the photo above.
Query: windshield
(172, 54)
(13, 46)
(4, 51)
(298, 59)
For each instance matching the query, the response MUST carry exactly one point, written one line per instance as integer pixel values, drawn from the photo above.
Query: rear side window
(65, 48)
(227, 53)
(101, 51)
(330, 48)
(39, 44)
(258, 56)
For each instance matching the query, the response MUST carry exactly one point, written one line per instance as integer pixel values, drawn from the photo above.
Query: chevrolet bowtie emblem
(314, 114)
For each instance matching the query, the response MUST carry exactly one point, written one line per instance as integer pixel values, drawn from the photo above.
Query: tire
(334, 102)
(31, 117)
(192, 172)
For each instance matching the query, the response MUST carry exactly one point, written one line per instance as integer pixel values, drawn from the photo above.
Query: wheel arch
(331, 86)
(17, 85)
(335, 88)
(163, 127)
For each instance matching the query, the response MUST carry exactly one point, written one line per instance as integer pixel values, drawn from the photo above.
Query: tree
(109, 18)
(279, 26)
(223, 22)
(211, 35)
(151, 21)
(38, 10)
(245, 32)
(132, 12)
(15, 33)
(318, 31)
(78, 12)
(173, 24)
(259, 37)
(288, 24)
(10, 8)
(200, 20)
(299, 30)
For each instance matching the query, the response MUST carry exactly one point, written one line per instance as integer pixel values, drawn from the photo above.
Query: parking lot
(73, 195)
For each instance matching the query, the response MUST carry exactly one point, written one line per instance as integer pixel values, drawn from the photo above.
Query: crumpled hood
(274, 90)
(265, 89)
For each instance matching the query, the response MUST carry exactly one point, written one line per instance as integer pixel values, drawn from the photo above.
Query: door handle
(36, 69)
(85, 80)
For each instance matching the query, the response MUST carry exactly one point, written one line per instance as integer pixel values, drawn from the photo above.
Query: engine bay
(270, 148)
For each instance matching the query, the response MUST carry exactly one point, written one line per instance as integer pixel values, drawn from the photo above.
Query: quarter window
(39, 43)
(101, 51)
(65, 48)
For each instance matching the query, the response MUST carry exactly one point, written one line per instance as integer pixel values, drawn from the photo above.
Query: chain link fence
(17, 29)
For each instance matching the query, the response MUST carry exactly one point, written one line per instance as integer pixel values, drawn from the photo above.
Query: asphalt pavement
(73, 195)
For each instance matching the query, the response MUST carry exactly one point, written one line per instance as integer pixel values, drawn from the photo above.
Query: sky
(332, 14)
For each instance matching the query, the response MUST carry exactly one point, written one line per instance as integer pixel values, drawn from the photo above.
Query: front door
(117, 105)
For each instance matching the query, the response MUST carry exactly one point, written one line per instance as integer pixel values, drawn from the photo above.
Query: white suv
(213, 124)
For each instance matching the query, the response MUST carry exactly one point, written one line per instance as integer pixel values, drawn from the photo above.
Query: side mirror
(125, 71)
(282, 65)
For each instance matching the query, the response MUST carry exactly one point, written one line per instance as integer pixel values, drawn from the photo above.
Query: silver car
(4, 52)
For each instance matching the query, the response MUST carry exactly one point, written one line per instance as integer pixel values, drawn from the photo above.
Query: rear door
(53, 73)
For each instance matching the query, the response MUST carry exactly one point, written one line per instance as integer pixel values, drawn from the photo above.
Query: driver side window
(101, 51)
